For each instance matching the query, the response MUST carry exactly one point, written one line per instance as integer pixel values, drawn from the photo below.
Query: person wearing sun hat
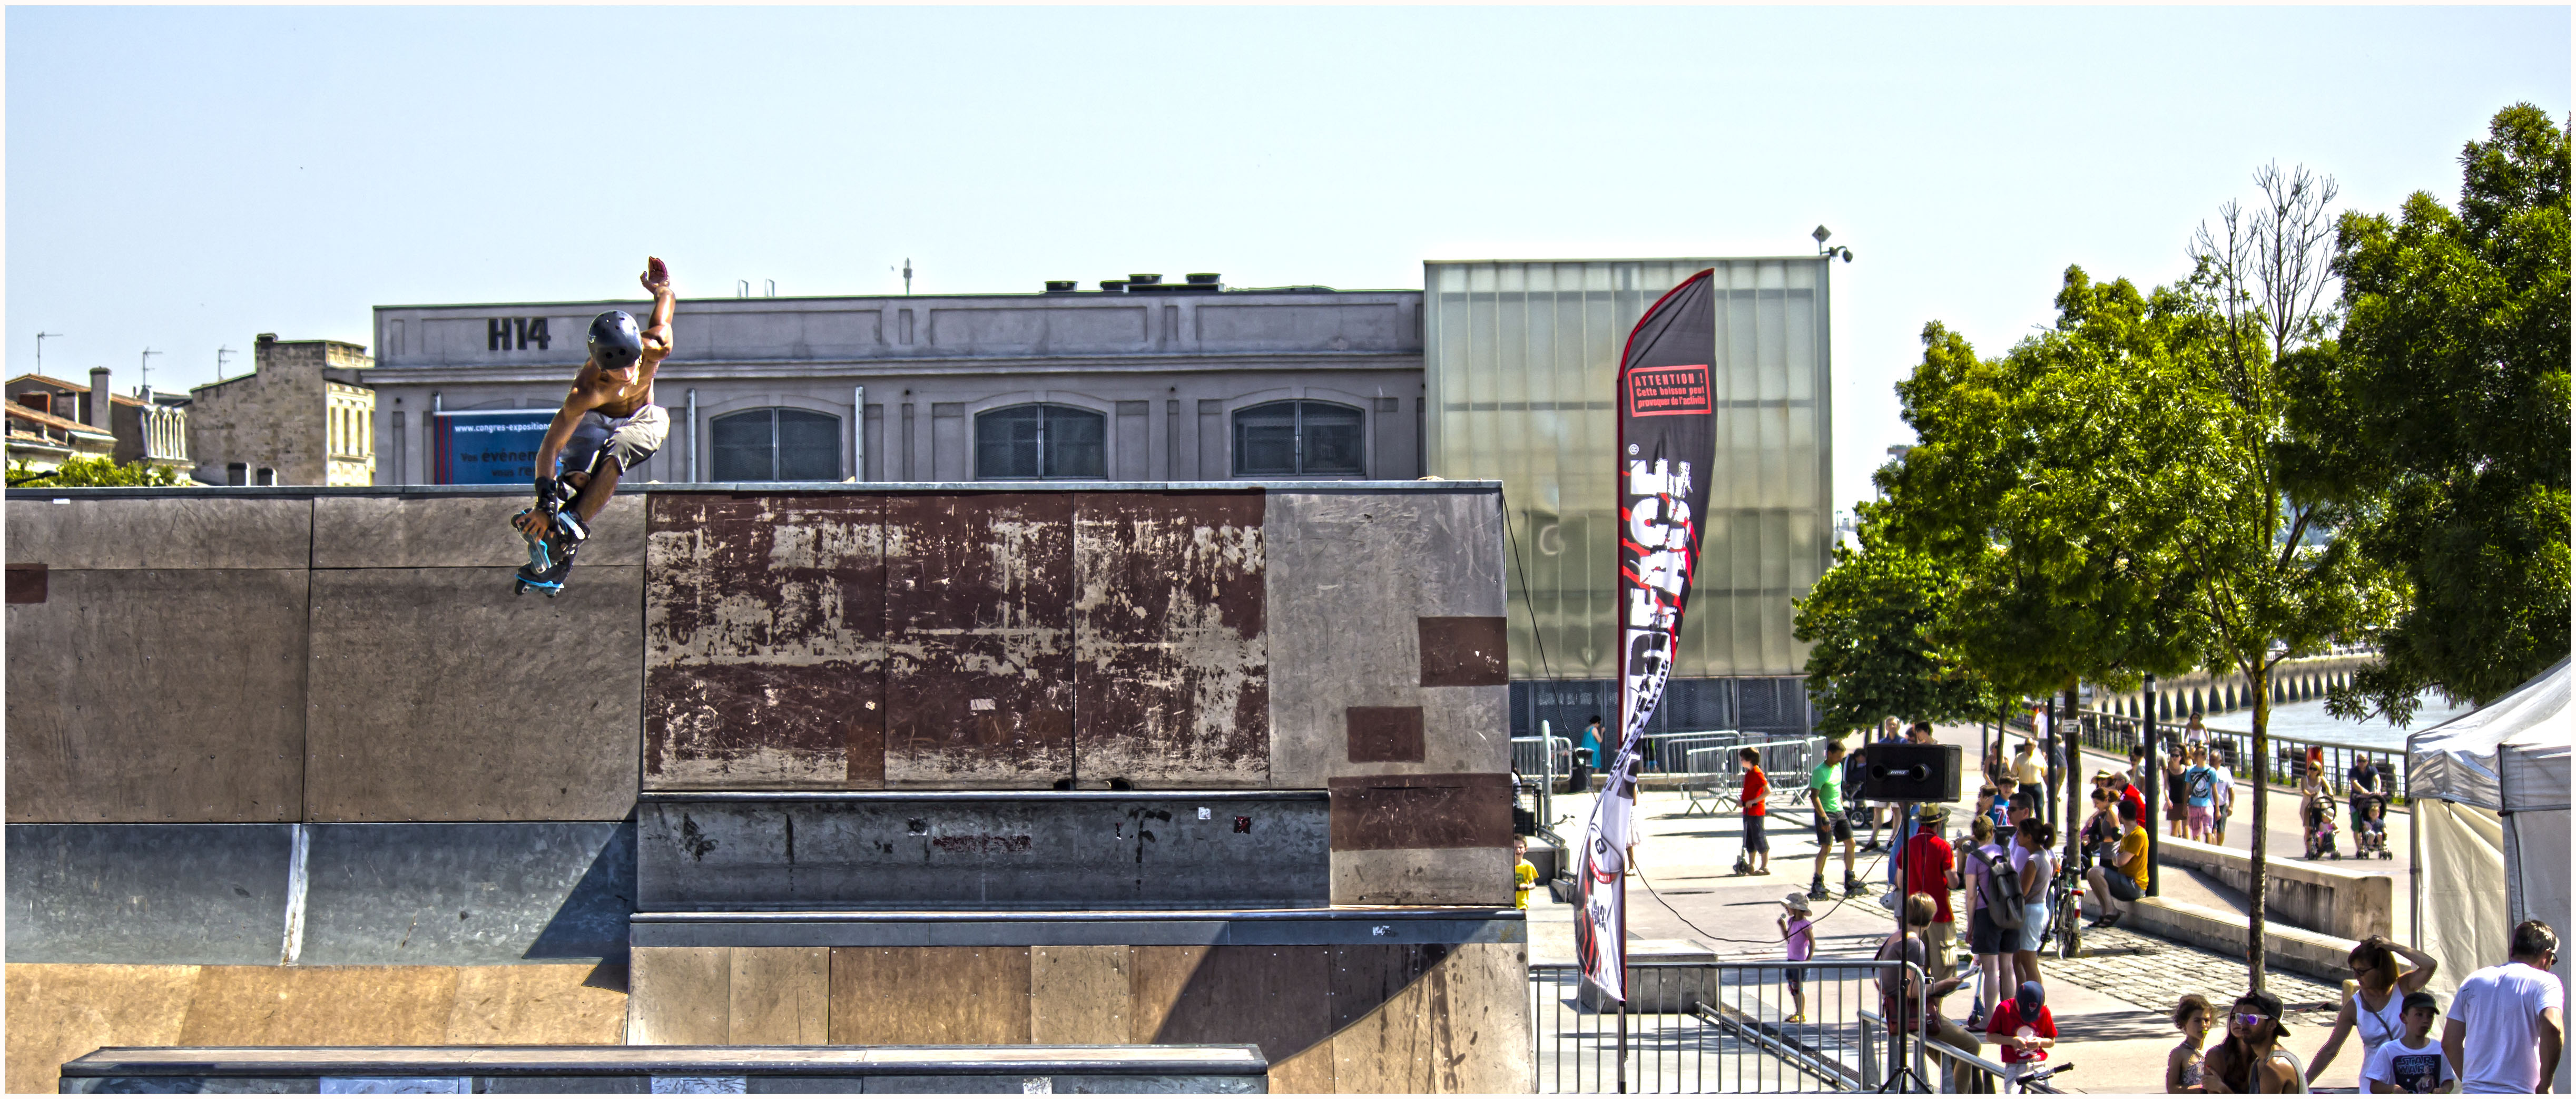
(1928, 862)
(1798, 930)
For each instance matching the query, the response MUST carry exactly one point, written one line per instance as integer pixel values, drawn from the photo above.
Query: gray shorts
(628, 441)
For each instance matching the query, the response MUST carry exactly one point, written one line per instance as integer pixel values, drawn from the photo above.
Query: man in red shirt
(1755, 798)
(1927, 866)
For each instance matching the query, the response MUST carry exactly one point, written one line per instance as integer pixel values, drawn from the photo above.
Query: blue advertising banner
(489, 448)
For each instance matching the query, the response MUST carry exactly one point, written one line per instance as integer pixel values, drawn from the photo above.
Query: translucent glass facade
(1520, 360)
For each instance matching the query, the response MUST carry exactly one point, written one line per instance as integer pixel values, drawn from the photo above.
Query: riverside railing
(2115, 734)
(1711, 1027)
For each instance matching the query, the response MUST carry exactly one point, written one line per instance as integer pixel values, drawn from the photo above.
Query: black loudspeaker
(1910, 772)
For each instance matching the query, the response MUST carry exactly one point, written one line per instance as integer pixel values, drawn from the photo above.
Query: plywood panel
(1444, 1019)
(58, 1012)
(158, 696)
(1473, 875)
(1276, 996)
(1171, 664)
(1158, 975)
(1307, 1072)
(781, 996)
(764, 643)
(979, 628)
(534, 1005)
(438, 695)
(1382, 812)
(930, 995)
(1079, 995)
(364, 1005)
(679, 996)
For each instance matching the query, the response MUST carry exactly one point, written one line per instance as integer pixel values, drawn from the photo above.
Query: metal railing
(1670, 752)
(1715, 1026)
(1718, 772)
(1528, 763)
(2116, 734)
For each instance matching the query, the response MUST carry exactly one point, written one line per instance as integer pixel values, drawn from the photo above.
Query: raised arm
(2414, 980)
(657, 332)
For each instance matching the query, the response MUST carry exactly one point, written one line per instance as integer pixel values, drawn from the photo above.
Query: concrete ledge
(2319, 956)
(2325, 896)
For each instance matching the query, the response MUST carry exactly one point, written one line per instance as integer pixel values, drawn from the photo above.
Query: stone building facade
(1143, 382)
(149, 427)
(298, 418)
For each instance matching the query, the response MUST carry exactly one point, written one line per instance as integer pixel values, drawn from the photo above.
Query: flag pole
(1623, 1045)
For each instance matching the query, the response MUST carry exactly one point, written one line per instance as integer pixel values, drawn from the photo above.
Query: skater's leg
(596, 489)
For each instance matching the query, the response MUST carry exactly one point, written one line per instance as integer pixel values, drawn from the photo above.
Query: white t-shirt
(2418, 1070)
(2500, 1007)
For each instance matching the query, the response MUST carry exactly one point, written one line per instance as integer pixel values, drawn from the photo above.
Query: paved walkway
(2112, 1007)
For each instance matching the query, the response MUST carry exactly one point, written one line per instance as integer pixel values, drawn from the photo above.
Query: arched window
(1041, 441)
(777, 444)
(1298, 439)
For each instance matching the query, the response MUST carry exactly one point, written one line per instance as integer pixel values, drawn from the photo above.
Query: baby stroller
(2321, 827)
(2370, 840)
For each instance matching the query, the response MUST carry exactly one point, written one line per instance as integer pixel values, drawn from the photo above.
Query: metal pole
(1547, 785)
(2156, 793)
(858, 433)
(2414, 861)
(693, 436)
(1623, 1032)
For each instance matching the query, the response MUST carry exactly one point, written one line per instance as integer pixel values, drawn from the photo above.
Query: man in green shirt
(1825, 796)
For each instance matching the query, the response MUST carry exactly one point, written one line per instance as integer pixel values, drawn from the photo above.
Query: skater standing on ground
(614, 390)
(1825, 796)
(2374, 1001)
(1755, 799)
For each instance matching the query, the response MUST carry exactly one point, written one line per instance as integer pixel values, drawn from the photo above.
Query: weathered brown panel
(58, 1012)
(354, 1005)
(1306, 1073)
(1079, 995)
(1431, 1019)
(679, 996)
(781, 996)
(155, 696)
(534, 1005)
(930, 995)
(457, 736)
(1171, 662)
(1424, 875)
(1384, 734)
(1464, 652)
(1386, 812)
(1276, 996)
(979, 640)
(27, 583)
(764, 654)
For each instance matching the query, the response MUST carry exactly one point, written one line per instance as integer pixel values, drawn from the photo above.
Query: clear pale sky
(184, 178)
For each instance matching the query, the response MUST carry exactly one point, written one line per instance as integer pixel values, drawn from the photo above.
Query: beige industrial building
(300, 417)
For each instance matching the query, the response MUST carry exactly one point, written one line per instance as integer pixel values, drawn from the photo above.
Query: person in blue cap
(612, 393)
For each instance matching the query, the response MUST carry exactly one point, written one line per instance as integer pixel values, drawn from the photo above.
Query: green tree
(81, 472)
(2015, 485)
(1870, 622)
(2443, 410)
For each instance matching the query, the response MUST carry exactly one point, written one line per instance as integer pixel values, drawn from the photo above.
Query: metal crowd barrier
(1719, 772)
(1527, 761)
(1715, 1027)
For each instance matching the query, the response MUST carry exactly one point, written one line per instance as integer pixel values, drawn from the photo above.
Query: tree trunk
(2261, 684)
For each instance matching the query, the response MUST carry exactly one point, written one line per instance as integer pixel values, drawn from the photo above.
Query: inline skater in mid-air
(614, 390)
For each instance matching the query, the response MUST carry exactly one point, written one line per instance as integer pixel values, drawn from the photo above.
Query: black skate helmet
(615, 342)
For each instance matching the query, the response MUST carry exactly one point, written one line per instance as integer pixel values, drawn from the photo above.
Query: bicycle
(2037, 1079)
(2066, 913)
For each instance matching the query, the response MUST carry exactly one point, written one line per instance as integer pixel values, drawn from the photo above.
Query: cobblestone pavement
(2153, 973)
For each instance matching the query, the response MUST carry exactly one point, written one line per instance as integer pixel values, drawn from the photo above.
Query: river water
(2308, 721)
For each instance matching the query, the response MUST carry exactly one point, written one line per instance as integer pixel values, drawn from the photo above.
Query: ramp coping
(1216, 1060)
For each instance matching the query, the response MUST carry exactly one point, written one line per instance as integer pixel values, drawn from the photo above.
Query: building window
(1297, 439)
(1041, 441)
(236, 473)
(267, 476)
(777, 444)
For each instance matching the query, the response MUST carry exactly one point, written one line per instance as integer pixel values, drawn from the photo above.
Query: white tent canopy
(2490, 791)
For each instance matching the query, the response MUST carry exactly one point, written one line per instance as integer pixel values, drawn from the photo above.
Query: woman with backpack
(1976, 876)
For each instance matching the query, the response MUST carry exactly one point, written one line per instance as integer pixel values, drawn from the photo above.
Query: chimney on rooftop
(99, 402)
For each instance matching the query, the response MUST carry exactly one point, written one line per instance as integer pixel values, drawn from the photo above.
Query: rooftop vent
(1113, 286)
(1144, 280)
(1061, 286)
(1207, 278)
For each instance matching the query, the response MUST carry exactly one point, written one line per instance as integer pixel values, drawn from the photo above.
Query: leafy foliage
(86, 472)
(2443, 411)
(1870, 622)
